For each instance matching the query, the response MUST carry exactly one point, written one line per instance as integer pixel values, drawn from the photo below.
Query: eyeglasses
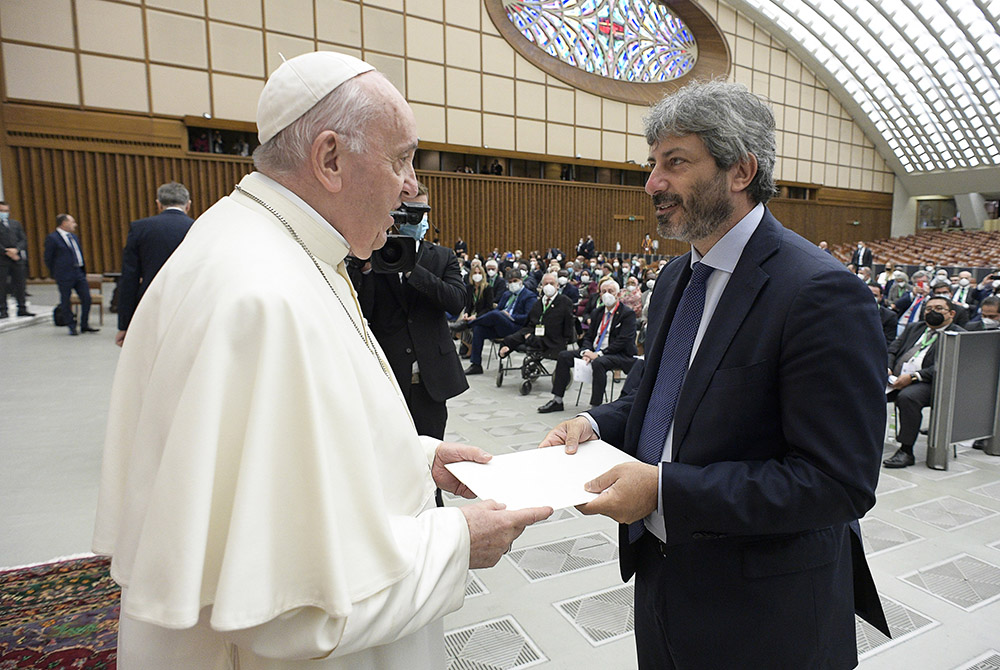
(935, 308)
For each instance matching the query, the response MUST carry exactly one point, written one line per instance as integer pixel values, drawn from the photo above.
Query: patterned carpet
(59, 615)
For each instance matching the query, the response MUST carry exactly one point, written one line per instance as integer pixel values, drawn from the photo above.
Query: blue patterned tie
(670, 374)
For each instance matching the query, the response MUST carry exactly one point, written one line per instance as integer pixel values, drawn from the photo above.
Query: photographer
(406, 311)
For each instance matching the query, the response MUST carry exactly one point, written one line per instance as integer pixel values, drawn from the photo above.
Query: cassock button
(409, 351)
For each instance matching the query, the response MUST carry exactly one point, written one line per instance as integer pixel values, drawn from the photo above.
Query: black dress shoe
(26, 313)
(551, 406)
(88, 329)
(72, 331)
(474, 369)
(900, 459)
(979, 444)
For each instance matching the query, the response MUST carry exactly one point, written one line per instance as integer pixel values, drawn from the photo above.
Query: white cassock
(264, 495)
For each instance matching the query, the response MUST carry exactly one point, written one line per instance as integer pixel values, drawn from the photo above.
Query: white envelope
(540, 477)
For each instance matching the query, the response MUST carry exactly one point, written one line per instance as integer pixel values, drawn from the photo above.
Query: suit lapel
(741, 292)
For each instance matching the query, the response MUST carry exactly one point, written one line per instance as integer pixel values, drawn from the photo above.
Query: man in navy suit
(64, 259)
(510, 316)
(150, 243)
(13, 261)
(758, 415)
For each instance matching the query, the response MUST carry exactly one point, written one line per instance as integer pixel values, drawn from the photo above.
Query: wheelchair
(532, 367)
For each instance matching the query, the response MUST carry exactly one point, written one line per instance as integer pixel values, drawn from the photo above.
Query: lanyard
(605, 325)
(925, 341)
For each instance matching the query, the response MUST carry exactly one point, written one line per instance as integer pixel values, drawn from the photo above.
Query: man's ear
(326, 159)
(743, 172)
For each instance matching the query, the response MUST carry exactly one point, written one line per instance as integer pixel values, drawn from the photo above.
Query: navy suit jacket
(60, 258)
(777, 443)
(522, 305)
(150, 243)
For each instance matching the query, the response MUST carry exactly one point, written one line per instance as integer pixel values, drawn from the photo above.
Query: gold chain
(363, 334)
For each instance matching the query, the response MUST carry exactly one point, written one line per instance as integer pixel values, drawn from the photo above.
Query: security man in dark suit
(550, 326)
(148, 246)
(608, 345)
(758, 419)
(911, 366)
(64, 259)
(13, 261)
(407, 315)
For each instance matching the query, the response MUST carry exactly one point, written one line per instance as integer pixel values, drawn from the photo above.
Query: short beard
(707, 209)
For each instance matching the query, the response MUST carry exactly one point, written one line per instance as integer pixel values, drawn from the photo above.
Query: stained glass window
(628, 40)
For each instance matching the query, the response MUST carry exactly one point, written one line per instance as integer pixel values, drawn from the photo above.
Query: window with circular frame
(685, 44)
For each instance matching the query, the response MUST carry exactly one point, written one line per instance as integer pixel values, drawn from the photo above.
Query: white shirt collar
(725, 254)
(306, 207)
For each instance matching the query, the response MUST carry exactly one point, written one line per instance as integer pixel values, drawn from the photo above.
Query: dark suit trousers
(564, 366)
(14, 272)
(491, 325)
(910, 402)
(82, 291)
(429, 416)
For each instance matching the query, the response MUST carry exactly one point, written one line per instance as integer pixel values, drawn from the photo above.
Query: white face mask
(563, 281)
(549, 290)
(477, 278)
(514, 287)
(990, 324)
(963, 282)
(651, 283)
(996, 284)
(609, 300)
(491, 273)
(524, 273)
(584, 279)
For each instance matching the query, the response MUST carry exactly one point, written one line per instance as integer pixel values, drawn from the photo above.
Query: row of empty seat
(940, 248)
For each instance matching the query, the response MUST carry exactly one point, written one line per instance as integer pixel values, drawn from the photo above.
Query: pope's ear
(327, 160)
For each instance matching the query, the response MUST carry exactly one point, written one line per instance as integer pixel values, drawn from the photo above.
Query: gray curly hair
(731, 121)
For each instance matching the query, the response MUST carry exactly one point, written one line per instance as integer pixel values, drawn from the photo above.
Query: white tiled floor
(556, 600)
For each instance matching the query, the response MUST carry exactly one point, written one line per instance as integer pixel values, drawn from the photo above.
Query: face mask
(861, 276)
(584, 279)
(563, 281)
(593, 265)
(633, 287)
(524, 273)
(477, 278)
(990, 324)
(963, 282)
(651, 283)
(609, 300)
(996, 284)
(616, 266)
(415, 230)
(934, 319)
(514, 287)
(4, 216)
(549, 290)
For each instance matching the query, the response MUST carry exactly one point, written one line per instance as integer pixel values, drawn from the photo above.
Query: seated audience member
(989, 315)
(550, 326)
(478, 301)
(895, 288)
(910, 305)
(885, 276)
(567, 288)
(647, 294)
(965, 292)
(509, 316)
(632, 296)
(888, 317)
(989, 286)
(865, 274)
(608, 345)
(495, 279)
(911, 370)
(942, 287)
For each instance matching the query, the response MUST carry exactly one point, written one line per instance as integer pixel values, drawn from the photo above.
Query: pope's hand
(452, 452)
(493, 529)
(627, 492)
(571, 433)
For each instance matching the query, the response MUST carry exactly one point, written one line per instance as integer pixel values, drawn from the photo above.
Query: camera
(400, 251)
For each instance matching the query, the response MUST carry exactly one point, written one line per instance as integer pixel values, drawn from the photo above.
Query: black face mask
(934, 319)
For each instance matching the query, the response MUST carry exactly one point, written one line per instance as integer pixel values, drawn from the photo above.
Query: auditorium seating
(939, 248)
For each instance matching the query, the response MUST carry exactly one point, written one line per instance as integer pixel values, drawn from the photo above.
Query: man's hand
(589, 356)
(13, 253)
(452, 452)
(504, 350)
(492, 529)
(627, 492)
(571, 433)
(902, 381)
(120, 338)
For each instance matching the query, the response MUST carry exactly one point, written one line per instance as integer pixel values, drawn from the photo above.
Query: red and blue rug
(59, 615)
